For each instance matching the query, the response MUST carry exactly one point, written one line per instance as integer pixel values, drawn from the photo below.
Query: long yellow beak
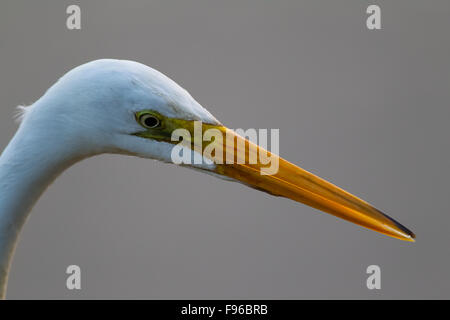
(244, 161)
(291, 181)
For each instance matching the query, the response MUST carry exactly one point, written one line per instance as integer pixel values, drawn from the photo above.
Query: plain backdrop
(367, 110)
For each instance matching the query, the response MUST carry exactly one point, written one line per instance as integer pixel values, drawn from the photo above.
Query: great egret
(124, 107)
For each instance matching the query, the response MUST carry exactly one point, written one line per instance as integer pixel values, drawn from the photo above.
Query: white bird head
(116, 106)
(94, 107)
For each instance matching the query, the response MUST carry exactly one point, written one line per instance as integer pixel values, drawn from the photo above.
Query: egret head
(116, 106)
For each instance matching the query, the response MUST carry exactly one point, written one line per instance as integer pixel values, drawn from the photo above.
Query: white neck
(29, 164)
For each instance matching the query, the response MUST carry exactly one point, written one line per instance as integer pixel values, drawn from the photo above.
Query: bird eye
(149, 121)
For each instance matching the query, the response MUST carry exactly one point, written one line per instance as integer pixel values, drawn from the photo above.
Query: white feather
(21, 112)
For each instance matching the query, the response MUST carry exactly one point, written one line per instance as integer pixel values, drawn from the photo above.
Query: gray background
(368, 110)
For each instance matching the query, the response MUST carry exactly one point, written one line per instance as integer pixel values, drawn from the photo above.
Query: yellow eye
(149, 121)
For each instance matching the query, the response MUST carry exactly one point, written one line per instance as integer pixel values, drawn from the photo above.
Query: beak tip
(399, 229)
(409, 235)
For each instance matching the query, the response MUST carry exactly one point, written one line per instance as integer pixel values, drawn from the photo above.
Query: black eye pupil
(151, 122)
